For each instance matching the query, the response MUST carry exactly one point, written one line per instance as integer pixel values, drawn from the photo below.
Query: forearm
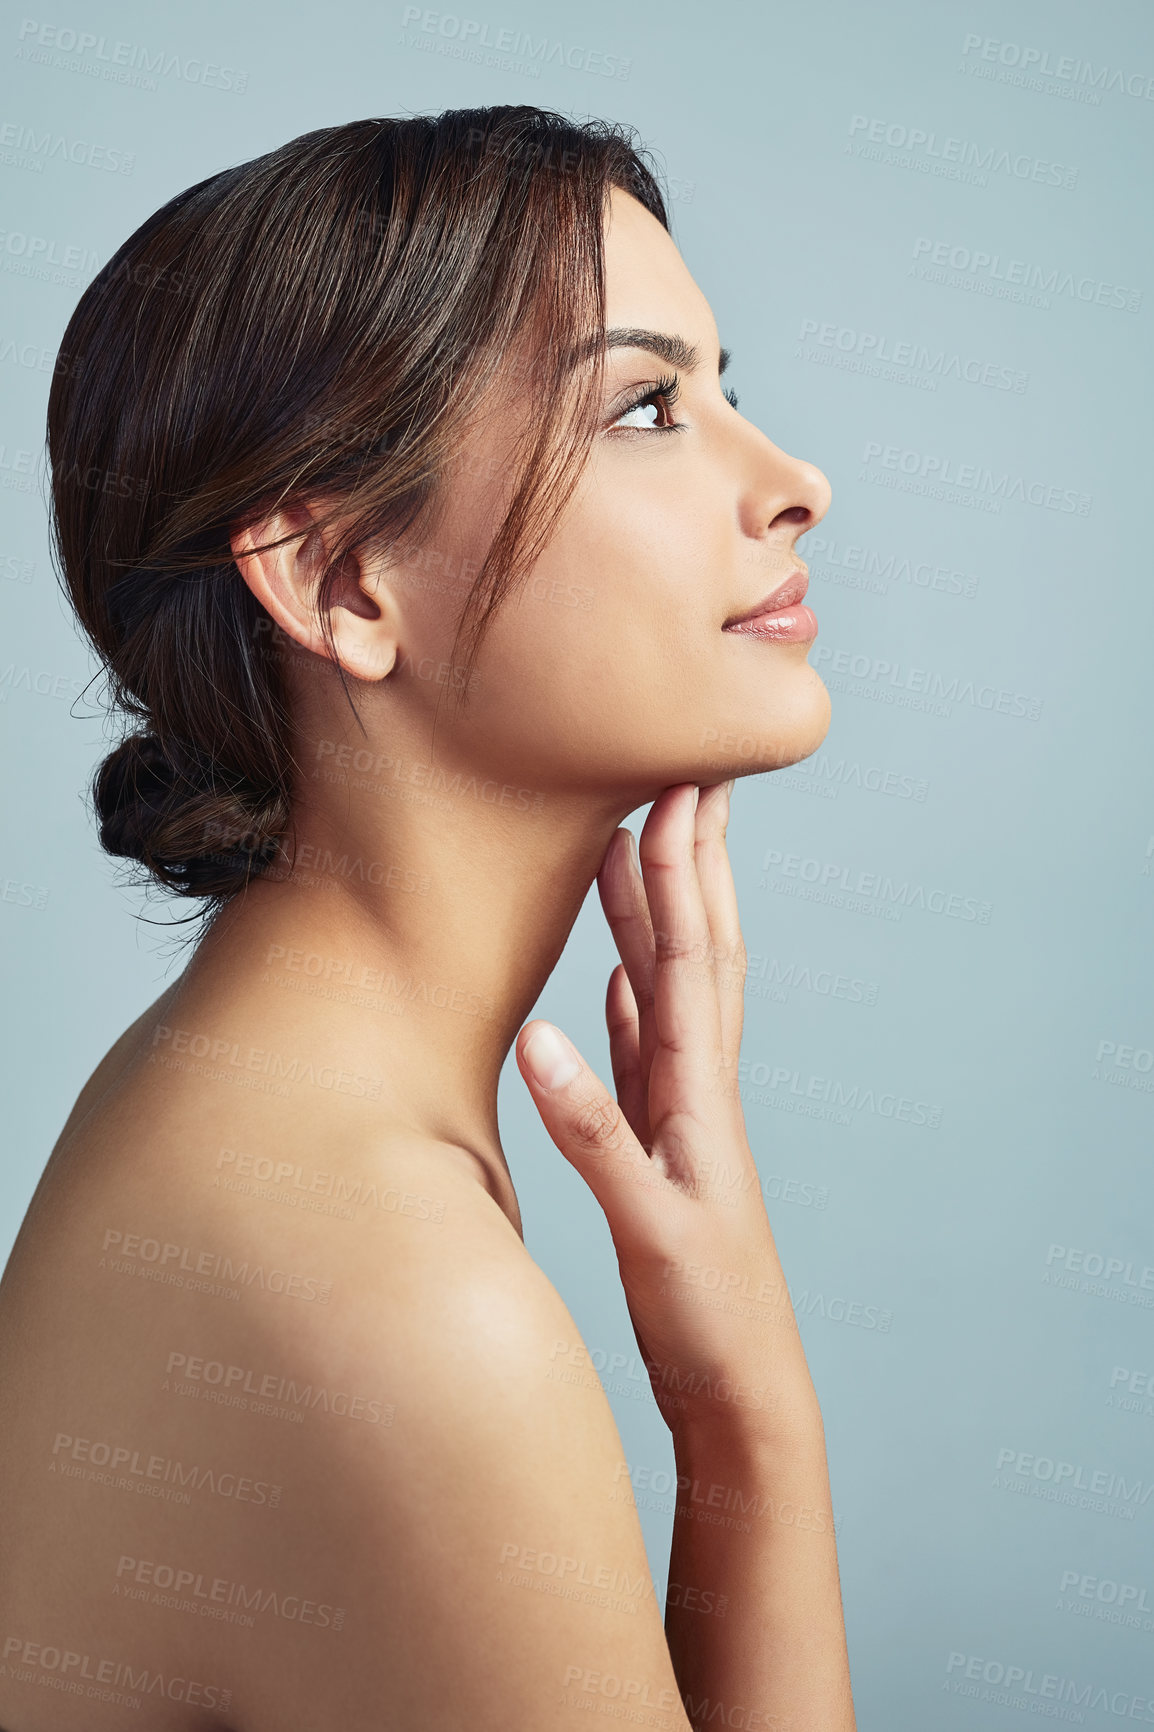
(754, 1617)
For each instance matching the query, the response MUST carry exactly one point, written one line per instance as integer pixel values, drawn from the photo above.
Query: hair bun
(197, 830)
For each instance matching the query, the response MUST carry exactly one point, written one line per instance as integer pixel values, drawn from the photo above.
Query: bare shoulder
(304, 1436)
(462, 1507)
(119, 1057)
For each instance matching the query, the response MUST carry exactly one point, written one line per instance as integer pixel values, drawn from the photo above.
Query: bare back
(237, 1336)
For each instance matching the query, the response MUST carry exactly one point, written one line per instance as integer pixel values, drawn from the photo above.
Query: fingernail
(550, 1057)
(729, 785)
(696, 797)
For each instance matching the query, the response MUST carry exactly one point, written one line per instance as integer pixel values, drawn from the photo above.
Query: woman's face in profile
(610, 666)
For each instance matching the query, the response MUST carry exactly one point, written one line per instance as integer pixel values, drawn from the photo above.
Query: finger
(685, 1002)
(590, 1130)
(719, 895)
(626, 907)
(629, 1078)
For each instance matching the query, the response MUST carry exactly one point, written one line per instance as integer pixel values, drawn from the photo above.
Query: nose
(813, 494)
(783, 493)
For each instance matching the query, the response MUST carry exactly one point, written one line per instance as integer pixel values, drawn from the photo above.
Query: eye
(657, 398)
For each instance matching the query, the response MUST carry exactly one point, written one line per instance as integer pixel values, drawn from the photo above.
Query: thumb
(586, 1123)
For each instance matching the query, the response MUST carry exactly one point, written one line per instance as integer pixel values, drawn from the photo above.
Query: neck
(412, 938)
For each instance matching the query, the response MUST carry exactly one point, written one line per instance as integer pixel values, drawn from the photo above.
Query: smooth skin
(276, 1255)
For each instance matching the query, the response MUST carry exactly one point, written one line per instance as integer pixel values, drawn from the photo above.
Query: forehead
(647, 282)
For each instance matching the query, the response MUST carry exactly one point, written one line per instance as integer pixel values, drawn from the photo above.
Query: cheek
(622, 599)
(608, 637)
(648, 551)
(561, 643)
(576, 662)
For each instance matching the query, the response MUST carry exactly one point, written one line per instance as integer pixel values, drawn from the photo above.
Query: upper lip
(785, 595)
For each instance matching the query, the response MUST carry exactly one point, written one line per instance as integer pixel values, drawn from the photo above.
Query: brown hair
(319, 322)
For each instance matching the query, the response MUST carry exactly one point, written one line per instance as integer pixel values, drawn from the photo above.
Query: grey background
(956, 1375)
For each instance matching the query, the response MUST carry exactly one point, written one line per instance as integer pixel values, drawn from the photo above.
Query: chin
(796, 736)
(767, 743)
(811, 729)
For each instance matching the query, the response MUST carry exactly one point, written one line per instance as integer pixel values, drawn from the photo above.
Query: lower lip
(796, 624)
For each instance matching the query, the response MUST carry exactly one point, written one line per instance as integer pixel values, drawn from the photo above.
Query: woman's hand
(669, 1161)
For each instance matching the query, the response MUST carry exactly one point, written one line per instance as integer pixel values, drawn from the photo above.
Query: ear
(364, 615)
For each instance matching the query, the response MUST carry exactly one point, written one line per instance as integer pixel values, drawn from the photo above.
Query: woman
(425, 547)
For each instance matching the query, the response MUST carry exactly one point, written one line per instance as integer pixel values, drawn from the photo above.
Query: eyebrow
(671, 348)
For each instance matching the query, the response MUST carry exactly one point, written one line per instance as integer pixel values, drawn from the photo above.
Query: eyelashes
(666, 390)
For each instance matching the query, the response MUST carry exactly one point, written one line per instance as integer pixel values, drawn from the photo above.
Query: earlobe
(363, 621)
(371, 656)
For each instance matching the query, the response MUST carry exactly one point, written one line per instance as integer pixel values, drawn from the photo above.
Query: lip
(779, 615)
